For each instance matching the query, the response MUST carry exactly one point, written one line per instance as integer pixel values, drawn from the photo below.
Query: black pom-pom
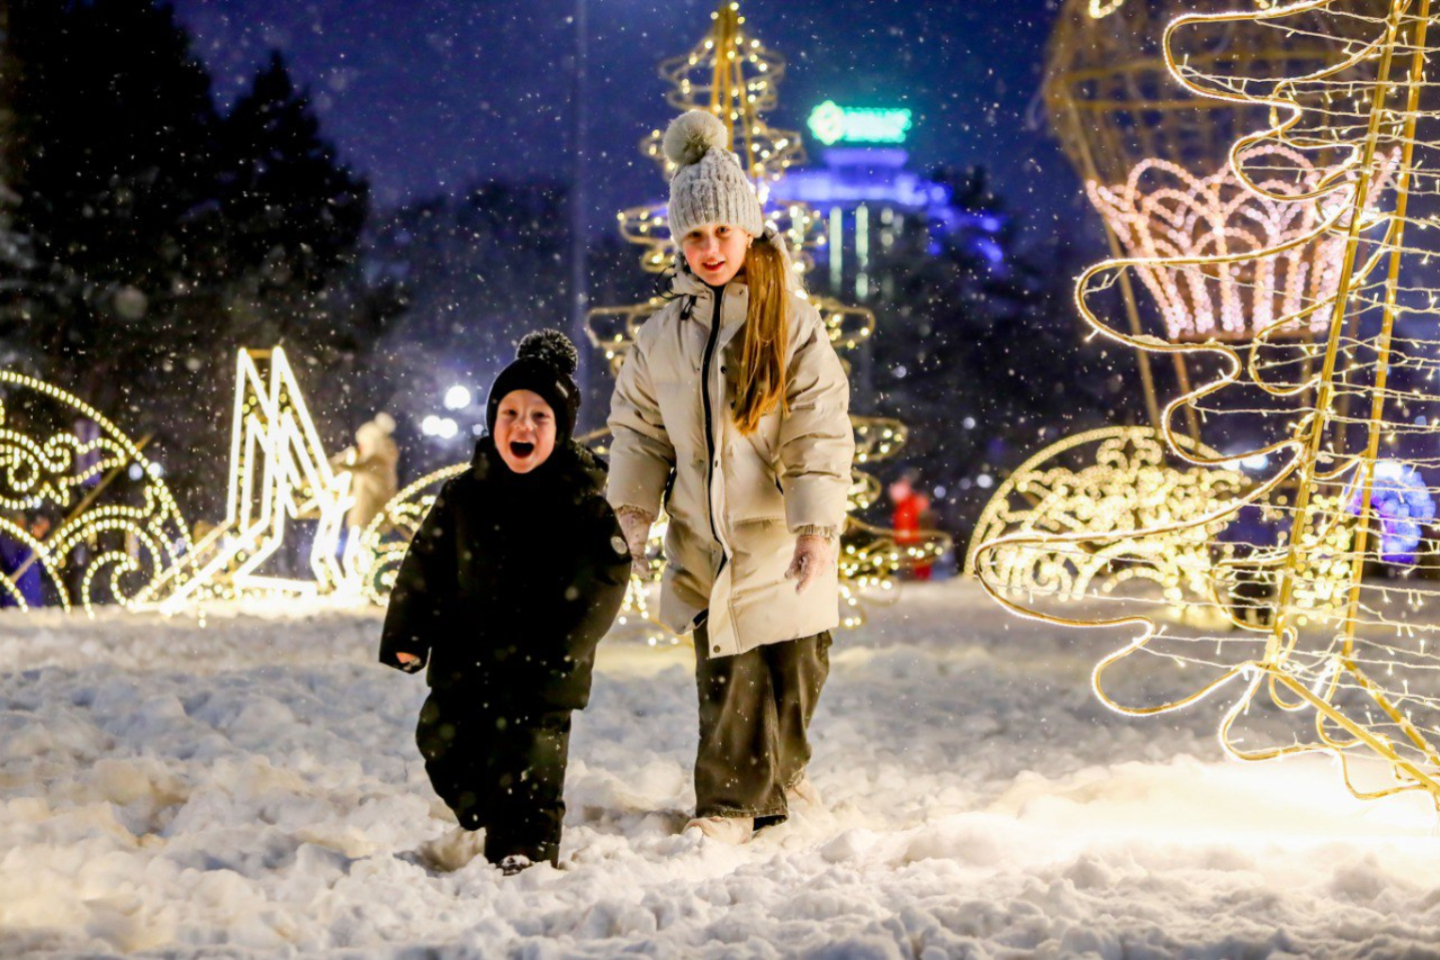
(551, 347)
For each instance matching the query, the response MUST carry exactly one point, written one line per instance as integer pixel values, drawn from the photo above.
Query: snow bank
(252, 787)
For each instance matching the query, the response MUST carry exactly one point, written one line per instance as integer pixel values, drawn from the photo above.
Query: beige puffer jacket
(733, 498)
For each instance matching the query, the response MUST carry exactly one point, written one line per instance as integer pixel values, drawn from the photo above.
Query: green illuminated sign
(832, 123)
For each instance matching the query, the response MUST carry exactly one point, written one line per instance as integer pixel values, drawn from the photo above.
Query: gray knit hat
(710, 186)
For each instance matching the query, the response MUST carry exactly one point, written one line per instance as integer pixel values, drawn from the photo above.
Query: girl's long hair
(761, 387)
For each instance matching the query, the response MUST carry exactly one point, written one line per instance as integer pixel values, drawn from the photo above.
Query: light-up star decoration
(1326, 629)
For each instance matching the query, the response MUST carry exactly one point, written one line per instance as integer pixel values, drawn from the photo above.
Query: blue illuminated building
(869, 201)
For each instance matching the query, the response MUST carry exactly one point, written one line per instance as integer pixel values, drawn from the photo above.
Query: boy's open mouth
(522, 450)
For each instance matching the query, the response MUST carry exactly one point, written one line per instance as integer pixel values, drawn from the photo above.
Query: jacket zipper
(705, 405)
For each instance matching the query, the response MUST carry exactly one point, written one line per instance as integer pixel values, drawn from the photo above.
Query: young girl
(511, 581)
(733, 408)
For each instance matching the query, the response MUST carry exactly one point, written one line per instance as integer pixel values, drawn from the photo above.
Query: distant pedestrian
(373, 464)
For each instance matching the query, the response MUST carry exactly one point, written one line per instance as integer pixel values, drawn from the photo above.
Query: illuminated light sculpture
(278, 471)
(120, 532)
(384, 541)
(1118, 113)
(1155, 158)
(1161, 212)
(1123, 481)
(732, 74)
(1320, 635)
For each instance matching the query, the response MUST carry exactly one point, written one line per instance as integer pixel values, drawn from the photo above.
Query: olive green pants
(755, 711)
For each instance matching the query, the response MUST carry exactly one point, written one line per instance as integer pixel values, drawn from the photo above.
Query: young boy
(508, 586)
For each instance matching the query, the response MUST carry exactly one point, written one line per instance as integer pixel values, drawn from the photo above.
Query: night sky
(424, 96)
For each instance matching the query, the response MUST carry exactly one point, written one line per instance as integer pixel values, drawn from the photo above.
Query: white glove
(635, 524)
(813, 556)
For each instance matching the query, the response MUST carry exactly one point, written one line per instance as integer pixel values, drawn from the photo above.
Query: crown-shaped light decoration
(1163, 212)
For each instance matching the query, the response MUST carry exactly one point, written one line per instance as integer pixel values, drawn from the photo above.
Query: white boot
(453, 850)
(803, 791)
(735, 830)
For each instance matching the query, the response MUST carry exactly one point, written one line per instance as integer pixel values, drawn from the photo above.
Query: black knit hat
(545, 363)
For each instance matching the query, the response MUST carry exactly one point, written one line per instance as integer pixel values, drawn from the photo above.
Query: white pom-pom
(692, 135)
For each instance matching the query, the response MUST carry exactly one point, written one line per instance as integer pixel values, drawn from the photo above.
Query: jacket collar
(737, 299)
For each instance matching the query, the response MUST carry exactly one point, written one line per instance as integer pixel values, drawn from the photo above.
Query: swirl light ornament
(1104, 482)
(385, 540)
(119, 532)
(1332, 629)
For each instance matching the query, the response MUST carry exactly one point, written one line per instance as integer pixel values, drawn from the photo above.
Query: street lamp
(579, 298)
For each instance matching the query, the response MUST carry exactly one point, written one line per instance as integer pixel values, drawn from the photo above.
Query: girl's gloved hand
(813, 556)
(635, 525)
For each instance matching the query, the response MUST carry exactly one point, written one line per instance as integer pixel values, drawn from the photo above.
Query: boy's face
(524, 430)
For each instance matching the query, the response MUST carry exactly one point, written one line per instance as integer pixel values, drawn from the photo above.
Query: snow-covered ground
(253, 786)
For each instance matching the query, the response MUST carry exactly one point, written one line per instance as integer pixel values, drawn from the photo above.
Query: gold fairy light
(1316, 577)
(119, 526)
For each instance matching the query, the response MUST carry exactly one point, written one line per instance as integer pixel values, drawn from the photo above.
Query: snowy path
(253, 786)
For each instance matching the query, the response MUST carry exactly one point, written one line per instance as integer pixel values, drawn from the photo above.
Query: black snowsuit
(506, 590)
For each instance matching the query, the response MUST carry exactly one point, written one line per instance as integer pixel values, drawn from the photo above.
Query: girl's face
(524, 430)
(715, 252)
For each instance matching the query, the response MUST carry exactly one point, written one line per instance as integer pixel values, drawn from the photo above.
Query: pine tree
(162, 235)
(293, 214)
(111, 158)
